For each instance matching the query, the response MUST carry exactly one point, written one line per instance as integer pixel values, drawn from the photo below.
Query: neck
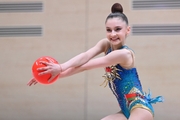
(116, 47)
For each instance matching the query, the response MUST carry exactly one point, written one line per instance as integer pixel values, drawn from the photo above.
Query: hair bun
(117, 8)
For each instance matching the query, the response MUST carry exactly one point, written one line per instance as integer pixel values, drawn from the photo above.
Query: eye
(118, 29)
(108, 30)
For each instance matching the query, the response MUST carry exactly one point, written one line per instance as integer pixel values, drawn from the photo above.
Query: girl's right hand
(32, 82)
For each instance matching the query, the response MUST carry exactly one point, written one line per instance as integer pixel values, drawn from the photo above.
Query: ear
(128, 29)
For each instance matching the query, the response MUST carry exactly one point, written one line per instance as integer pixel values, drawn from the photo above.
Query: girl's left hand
(53, 68)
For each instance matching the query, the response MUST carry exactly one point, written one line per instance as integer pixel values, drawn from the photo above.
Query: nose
(113, 33)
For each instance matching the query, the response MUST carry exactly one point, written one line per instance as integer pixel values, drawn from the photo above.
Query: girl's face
(117, 31)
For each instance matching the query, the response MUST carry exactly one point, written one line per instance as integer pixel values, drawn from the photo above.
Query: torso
(123, 81)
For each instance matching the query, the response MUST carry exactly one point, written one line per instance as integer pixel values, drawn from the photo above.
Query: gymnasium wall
(62, 29)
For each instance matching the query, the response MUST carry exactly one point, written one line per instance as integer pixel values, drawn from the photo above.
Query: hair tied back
(117, 8)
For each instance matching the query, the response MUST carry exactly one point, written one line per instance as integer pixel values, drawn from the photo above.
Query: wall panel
(63, 37)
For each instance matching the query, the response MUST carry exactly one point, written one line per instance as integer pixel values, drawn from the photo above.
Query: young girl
(120, 71)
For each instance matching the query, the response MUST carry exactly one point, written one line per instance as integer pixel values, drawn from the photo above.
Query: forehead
(113, 22)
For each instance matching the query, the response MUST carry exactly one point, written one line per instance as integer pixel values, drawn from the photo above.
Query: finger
(44, 72)
(43, 68)
(49, 60)
(35, 83)
(30, 82)
(45, 63)
(51, 78)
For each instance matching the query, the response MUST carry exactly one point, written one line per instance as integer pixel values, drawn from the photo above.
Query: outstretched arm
(75, 62)
(122, 57)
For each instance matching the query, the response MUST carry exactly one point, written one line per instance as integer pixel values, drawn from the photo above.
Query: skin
(116, 33)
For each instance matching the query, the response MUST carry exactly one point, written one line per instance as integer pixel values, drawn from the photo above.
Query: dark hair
(117, 11)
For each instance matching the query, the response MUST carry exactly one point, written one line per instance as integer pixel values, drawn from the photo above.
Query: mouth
(114, 39)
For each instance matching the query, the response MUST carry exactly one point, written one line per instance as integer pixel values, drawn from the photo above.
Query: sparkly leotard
(126, 86)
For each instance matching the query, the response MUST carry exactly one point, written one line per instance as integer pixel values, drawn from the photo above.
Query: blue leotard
(126, 86)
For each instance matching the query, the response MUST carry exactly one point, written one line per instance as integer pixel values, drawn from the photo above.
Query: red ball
(43, 79)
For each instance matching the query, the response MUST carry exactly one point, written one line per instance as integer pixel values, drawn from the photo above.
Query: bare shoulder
(104, 43)
(101, 45)
(127, 58)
